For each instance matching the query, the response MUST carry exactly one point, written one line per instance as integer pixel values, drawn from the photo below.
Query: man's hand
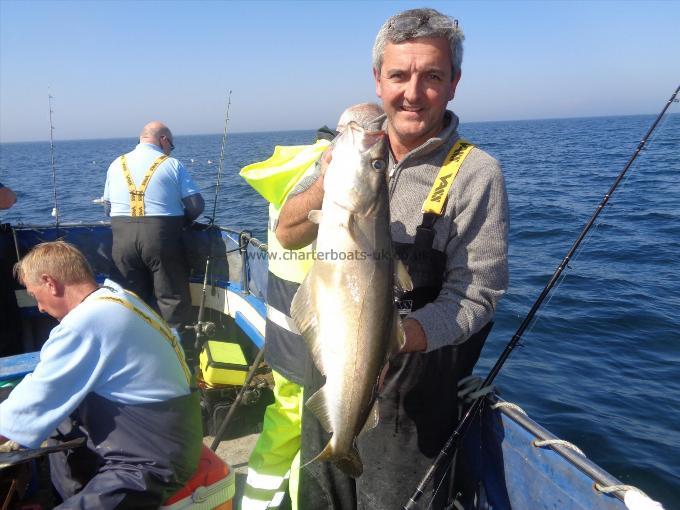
(294, 230)
(416, 340)
(6, 445)
(326, 158)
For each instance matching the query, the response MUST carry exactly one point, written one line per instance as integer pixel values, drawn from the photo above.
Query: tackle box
(211, 488)
(223, 363)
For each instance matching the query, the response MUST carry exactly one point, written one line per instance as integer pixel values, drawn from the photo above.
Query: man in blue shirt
(150, 197)
(113, 372)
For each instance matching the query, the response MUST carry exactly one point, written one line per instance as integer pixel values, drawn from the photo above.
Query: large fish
(345, 308)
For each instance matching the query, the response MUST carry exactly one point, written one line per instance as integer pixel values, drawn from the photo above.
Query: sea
(600, 366)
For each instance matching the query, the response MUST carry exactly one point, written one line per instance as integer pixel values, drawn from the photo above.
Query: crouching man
(111, 371)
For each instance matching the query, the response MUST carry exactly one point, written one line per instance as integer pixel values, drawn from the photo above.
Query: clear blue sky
(114, 65)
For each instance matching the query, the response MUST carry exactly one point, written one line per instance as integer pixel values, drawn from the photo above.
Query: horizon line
(47, 140)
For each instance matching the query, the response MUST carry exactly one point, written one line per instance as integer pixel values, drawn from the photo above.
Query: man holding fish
(439, 205)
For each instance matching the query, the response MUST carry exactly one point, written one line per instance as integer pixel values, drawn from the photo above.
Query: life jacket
(285, 349)
(276, 176)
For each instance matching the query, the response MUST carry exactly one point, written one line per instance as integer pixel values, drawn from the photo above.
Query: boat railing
(245, 254)
(251, 264)
(603, 482)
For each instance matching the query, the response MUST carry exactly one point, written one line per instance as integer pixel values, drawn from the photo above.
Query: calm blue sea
(601, 366)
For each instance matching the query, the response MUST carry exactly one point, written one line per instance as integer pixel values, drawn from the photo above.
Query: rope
(509, 405)
(472, 383)
(560, 442)
(608, 489)
(605, 489)
(470, 388)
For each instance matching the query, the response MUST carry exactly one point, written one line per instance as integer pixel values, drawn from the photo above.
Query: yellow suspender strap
(436, 199)
(155, 322)
(137, 195)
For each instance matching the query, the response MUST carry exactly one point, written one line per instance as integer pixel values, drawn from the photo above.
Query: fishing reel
(253, 393)
(203, 328)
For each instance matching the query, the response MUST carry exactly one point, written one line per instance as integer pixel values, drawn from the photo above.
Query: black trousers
(418, 411)
(148, 253)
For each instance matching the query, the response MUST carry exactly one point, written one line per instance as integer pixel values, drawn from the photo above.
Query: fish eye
(378, 164)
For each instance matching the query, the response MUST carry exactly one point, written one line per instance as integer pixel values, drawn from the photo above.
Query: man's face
(49, 297)
(415, 86)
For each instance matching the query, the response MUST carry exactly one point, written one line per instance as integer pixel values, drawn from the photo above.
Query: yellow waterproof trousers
(276, 456)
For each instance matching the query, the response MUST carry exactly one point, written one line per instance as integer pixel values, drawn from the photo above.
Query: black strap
(425, 233)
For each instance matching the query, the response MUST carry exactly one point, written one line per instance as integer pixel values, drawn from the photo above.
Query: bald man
(150, 196)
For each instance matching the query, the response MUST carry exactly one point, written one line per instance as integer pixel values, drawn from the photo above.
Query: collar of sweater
(445, 135)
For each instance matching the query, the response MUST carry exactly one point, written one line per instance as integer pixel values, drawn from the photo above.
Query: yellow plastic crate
(223, 363)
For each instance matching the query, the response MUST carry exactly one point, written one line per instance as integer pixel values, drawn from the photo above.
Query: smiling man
(449, 223)
(415, 82)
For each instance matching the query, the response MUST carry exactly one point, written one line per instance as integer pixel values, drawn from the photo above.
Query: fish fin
(401, 277)
(351, 227)
(326, 454)
(373, 418)
(317, 405)
(315, 216)
(302, 311)
(398, 336)
(350, 464)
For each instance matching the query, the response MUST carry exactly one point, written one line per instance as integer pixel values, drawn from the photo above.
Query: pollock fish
(344, 308)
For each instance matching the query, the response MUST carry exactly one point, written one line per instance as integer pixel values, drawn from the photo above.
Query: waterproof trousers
(275, 458)
(148, 252)
(135, 456)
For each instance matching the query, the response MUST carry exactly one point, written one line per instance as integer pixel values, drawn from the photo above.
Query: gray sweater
(473, 232)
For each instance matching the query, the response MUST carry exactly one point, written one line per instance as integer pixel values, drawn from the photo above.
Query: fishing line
(593, 234)
(221, 165)
(439, 485)
(452, 443)
(202, 328)
(622, 190)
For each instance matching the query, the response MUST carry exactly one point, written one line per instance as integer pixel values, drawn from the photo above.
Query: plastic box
(223, 363)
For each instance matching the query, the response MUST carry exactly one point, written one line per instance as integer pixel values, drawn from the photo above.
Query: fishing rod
(55, 210)
(204, 329)
(475, 407)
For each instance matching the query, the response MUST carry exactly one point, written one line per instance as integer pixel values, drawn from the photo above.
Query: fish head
(358, 170)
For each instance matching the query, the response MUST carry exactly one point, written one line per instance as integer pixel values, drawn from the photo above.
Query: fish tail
(349, 463)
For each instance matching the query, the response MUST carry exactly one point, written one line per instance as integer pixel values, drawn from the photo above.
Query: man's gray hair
(417, 23)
